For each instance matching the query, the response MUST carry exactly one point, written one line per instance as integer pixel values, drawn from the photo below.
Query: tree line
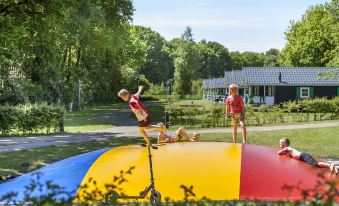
(53, 50)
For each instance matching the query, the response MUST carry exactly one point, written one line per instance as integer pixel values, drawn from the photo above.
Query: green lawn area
(320, 142)
(27, 160)
(98, 117)
(90, 118)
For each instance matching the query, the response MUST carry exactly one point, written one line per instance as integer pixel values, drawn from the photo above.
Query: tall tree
(237, 61)
(183, 70)
(313, 41)
(188, 35)
(158, 62)
(271, 58)
(247, 59)
(215, 59)
(186, 62)
(49, 43)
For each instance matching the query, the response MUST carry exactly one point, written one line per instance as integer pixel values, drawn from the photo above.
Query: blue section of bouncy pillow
(67, 173)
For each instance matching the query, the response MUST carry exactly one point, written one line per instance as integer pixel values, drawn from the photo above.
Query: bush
(8, 118)
(148, 98)
(212, 114)
(29, 118)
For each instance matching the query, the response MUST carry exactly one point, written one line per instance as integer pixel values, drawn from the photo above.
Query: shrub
(29, 118)
(8, 118)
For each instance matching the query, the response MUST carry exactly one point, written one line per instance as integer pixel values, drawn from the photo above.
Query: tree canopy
(314, 40)
(51, 50)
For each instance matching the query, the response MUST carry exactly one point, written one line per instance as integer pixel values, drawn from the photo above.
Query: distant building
(213, 88)
(274, 85)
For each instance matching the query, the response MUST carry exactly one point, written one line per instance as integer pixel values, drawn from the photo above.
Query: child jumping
(139, 110)
(235, 110)
(176, 137)
(285, 149)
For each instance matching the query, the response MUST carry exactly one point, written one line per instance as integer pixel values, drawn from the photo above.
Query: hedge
(30, 118)
(293, 111)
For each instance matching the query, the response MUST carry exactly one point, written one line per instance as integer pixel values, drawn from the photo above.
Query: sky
(239, 25)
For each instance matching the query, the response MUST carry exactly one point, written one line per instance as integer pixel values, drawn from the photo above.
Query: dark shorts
(308, 159)
(145, 122)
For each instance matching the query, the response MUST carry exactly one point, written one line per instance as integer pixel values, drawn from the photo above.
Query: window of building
(269, 91)
(304, 92)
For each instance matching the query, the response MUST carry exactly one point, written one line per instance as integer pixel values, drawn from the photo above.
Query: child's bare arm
(243, 110)
(227, 112)
(140, 88)
(283, 151)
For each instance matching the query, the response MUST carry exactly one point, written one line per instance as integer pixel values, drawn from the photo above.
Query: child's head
(161, 127)
(124, 95)
(233, 89)
(196, 136)
(284, 142)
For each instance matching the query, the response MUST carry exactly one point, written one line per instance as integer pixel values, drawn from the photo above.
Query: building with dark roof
(213, 88)
(273, 85)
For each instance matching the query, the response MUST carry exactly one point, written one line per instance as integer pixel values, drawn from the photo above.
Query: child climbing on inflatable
(235, 109)
(285, 149)
(176, 137)
(139, 110)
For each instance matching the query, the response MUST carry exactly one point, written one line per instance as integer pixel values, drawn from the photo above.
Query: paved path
(20, 143)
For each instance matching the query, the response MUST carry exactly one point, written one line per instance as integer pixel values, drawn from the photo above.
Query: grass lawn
(91, 118)
(320, 142)
(98, 117)
(27, 160)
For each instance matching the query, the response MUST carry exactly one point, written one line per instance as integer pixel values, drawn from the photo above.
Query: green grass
(27, 160)
(90, 119)
(320, 142)
(97, 117)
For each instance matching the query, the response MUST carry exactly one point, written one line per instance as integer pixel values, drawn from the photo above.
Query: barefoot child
(235, 110)
(285, 149)
(176, 137)
(139, 110)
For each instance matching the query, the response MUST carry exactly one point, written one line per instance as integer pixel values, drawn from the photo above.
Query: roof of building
(273, 76)
(213, 83)
(288, 76)
(234, 77)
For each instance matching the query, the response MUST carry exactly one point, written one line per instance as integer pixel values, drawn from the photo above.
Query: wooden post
(61, 125)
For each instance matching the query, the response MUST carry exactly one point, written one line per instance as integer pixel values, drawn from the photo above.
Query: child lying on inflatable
(305, 157)
(176, 137)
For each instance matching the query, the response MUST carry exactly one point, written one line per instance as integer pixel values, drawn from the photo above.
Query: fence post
(167, 123)
(61, 125)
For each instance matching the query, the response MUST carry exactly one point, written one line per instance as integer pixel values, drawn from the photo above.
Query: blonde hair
(161, 127)
(232, 86)
(286, 141)
(123, 93)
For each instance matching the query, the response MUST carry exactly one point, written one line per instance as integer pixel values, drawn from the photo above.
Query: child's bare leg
(235, 133)
(144, 135)
(183, 133)
(244, 133)
(328, 166)
(152, 127)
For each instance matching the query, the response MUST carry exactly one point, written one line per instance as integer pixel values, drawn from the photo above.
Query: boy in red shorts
(139, 110)
(235, 110)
